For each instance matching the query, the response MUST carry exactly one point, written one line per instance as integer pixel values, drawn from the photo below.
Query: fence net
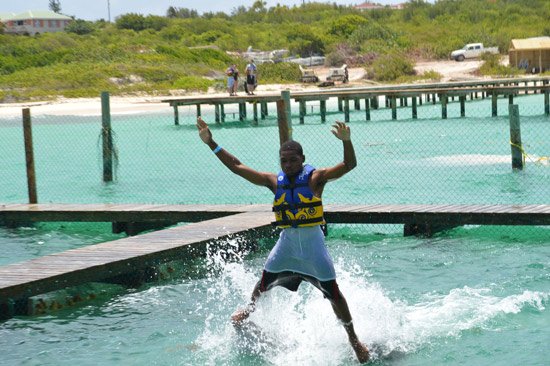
(401, 160)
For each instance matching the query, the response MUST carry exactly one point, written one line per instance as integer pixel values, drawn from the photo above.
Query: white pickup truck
(472, 50)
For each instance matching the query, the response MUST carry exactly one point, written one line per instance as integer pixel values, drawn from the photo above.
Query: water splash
(300, 328)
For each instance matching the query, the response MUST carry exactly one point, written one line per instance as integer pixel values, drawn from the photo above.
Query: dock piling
(107, 138)
(29, 156)
(515, 138)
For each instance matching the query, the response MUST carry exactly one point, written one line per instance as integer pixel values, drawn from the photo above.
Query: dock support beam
(176, 115)
(462, 100)
(302, 109)
(29, 156)
(414, 109)
(242, 111)
(284, 117)
(255, 112)
(367, 109)
(346, 110)
(515, 137)
(222, 113)
(443, 98)
(107, 138)
(393, 102)
(494, 105)
(323, 110)
(263, 110)
(546, 99)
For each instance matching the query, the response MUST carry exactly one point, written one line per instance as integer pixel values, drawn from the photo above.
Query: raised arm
(268, 180)
(323, 175)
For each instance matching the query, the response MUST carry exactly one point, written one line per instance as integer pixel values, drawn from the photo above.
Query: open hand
(341, 131)
(204, 131)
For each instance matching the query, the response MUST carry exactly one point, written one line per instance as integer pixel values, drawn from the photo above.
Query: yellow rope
(543, 160)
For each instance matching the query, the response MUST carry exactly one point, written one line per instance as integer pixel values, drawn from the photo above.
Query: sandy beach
(451, 71)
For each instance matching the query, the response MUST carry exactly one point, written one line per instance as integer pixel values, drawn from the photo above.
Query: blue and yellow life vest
(294, 204)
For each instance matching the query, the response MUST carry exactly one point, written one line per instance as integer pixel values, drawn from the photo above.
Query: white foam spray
(300, 328)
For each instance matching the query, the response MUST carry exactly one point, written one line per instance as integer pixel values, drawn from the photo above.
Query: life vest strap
(285, 206)
(296, 223)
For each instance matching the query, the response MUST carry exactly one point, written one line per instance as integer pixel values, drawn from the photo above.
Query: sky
(99, 9)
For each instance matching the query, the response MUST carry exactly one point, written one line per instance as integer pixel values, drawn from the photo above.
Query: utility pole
(109, 10)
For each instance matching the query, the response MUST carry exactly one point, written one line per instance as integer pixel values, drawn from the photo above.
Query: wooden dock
(416, 93)
(129, 256)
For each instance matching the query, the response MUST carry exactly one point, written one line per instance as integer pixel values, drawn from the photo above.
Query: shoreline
(125, 105)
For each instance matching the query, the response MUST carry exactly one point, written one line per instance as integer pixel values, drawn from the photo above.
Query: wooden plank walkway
(391, 93)
(126, 256)
(456, 214)
(123, 256)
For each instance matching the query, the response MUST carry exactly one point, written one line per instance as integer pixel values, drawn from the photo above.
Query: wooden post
(511, 99)
(414, 109)
(242, 111)
(198, 110)
(285, 126)
(107, 137)
(340, 108)
(420, 99)
(367, 109)
(263, 110)
(217, 113)
(494, 108)
(255, 111)
(323, 110)
(29, 156)
(462, 100)
(285, 94)
(393, 104)
(222, 113)
(346, 110)
(546, 99)
(302, 108)
(357, 104)
(515, 137)
(443, 99)
(176, 115)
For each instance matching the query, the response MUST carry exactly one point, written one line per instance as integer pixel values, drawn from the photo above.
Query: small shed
(532, 54)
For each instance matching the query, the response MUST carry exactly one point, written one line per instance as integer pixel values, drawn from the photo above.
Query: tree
(80, 26)
(55, 6)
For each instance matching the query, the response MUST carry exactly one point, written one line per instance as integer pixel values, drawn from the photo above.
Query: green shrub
(193, 83)
(390, 67)
(279, 72)
(492, 67)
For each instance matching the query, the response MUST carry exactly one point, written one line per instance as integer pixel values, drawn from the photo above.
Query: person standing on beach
(300, 253)
(251, 80)
(231, 78)
(235, 80)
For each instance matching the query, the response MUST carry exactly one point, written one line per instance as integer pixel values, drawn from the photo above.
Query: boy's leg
(241, 315)
(341, 309)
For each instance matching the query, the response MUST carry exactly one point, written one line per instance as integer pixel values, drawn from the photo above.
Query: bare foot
(361, 351)
(239, 316)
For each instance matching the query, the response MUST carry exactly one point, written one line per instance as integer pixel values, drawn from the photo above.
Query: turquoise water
(469, 297)
(474, 295)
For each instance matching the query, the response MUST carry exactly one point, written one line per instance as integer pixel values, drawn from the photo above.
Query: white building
(34, 22)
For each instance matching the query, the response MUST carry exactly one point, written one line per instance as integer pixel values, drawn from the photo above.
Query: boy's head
(291, 157)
